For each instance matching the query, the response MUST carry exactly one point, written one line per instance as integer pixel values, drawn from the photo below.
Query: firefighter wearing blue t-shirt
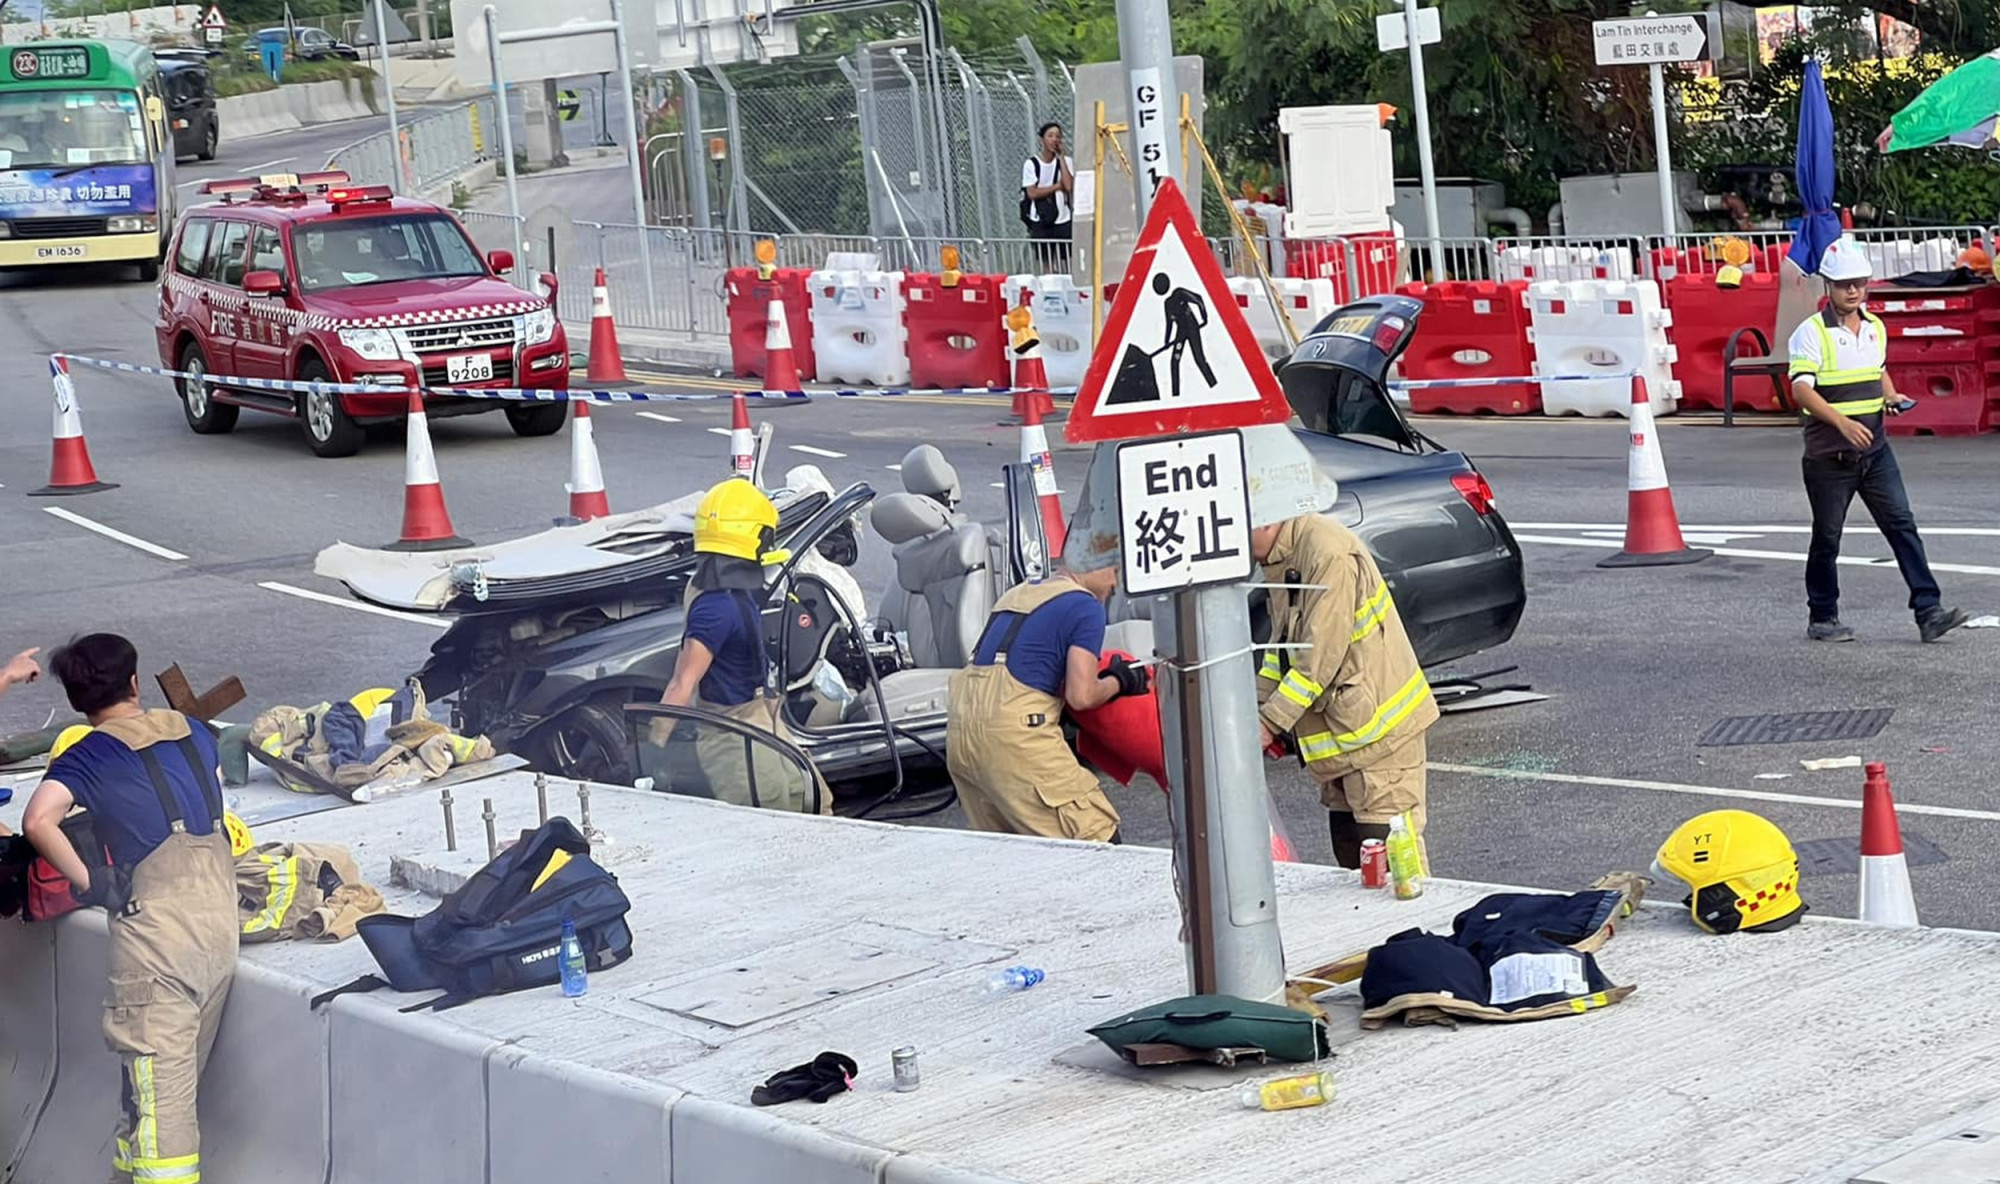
(150, 783)
(724, 666)
(1003, 733)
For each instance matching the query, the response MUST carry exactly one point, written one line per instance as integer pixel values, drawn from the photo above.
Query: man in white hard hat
(1842, 385)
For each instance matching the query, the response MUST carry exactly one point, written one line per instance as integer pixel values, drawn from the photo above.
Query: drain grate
(1801, 727)
(1842, 857)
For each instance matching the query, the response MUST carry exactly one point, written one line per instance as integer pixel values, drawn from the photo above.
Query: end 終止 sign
(1183, 513)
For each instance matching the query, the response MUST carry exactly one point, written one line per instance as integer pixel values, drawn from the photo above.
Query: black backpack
(501, 930)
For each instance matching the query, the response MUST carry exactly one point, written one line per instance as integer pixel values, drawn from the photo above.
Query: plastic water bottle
(575, 979)
(1406, 861)
(1012, 979)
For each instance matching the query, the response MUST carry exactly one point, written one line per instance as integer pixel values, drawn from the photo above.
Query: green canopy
(1959, 108)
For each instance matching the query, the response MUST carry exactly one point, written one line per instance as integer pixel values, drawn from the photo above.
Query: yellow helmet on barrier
(736, 519)
(1740, 870)
(68, 736)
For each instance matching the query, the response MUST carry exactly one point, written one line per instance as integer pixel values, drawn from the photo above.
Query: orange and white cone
(606, 364)
(742, 445)
(1886, 898)
(1035, 454)
(70, 470)
(1652, 529)
(586, 476)
(1031, 377)
(781, 369)
(426, 524)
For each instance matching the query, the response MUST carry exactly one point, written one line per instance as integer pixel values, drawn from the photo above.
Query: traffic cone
(781, 370)
(1652, 530)
(1886, 898)
(426, 524)
(586, 476)
(1035, 454)
(606, 365)
(70, 470)
(742, 445)
(1031, 377)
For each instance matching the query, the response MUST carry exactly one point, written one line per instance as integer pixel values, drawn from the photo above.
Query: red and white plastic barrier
(858, 333)
(1611, 327)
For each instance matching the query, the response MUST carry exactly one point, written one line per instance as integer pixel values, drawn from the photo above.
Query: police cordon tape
(522, 395)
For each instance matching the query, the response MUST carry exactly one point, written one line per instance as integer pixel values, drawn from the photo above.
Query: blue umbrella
(1814, 173)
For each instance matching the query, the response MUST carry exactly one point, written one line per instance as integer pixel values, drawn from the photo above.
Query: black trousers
(1051, 246)
(1831, 485)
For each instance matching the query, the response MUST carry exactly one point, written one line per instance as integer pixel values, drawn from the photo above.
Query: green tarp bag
(1219, 1021)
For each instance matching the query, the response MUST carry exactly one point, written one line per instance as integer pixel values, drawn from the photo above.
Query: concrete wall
(289, 107)
(372, 1096)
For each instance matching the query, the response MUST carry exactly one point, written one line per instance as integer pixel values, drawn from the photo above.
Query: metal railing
(436, 148)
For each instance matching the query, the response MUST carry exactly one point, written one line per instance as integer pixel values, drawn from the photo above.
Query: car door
(267, 320)
(220, 297)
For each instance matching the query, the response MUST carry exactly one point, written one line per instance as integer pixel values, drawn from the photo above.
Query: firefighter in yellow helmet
(724, 665)
(1740, 870)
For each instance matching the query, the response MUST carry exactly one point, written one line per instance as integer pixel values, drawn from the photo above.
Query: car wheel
(206, 416)
(589, 742)
(329, 429)
(538, 419)
(149, 271)
(210, 142)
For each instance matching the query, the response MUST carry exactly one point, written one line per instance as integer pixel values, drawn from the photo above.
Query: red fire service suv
(308, 278)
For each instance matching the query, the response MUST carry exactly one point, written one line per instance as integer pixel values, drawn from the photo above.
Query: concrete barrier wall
(298, 105)
(27, 1033)
(359, 1093)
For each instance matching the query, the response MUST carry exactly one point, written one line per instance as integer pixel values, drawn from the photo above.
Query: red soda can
(1374, 863)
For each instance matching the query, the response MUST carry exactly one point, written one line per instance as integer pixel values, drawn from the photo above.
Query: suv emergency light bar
(359, 195)
(275, 185)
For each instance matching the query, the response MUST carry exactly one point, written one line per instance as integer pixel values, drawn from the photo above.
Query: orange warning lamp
(767, 258)
(1975, 259)
(948, 260)
(718, 148)
(1021, 322)
(1735, 252)
(1385, 112)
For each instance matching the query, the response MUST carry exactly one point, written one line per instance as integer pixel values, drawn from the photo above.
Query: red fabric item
(1122, 737)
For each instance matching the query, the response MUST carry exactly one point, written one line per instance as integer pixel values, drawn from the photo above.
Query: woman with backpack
(1048, 181)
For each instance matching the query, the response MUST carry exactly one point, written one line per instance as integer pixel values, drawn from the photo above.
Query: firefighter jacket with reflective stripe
(1356, 693)
(1847, 370)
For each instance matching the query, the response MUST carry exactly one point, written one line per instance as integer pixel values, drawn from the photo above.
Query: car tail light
(1476, 492)
(1388, 331)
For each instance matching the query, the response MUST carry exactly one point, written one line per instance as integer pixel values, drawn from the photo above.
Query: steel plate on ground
(1803, 727)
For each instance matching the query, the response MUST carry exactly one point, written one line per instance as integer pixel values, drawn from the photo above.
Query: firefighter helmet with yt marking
(1740, 869)
(736, 519)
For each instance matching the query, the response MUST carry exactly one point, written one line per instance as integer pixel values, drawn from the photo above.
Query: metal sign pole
(1208, 685)
(632, 151)
(506, 122)
(1423, 106)
(389, 90)
(1662, 151)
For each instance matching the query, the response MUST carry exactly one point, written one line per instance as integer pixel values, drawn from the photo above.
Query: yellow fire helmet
(68, 736)
(1740, 869)
(736, 519)
(240, 841)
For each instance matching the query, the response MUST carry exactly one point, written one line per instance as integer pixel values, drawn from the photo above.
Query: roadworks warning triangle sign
(1176, 355)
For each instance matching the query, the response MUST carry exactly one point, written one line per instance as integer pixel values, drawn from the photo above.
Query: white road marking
(893, 468)
(357, 606)
(1857, 527)
(719, 431)
(115, 535)
(828, 453)
(1749, 795)
(1968, 569)
(999, 485)
(654, 415)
